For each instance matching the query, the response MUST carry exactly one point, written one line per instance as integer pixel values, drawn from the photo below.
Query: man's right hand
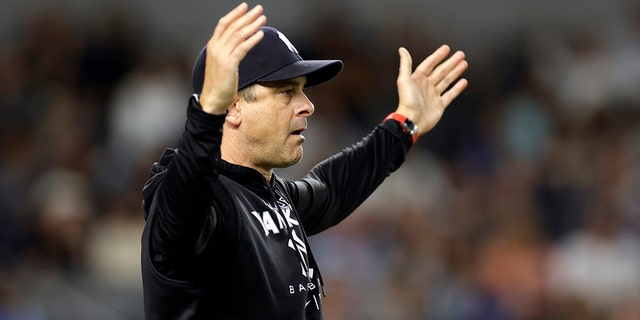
(235, 34)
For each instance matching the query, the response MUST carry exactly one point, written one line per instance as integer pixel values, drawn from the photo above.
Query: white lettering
(287, 215)
(269, 224)
(299, 243)
(309, 286)
(280, 220)
(266, 222)
(257, 215)
(287, 42)
(283, 217)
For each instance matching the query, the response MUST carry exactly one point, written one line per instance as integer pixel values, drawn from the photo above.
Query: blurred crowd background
(523, 203)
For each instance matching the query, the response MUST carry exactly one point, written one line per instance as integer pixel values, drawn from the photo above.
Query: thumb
(405, 64)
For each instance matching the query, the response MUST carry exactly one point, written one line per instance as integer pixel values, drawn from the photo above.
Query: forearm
(338, 185)
(184, 198)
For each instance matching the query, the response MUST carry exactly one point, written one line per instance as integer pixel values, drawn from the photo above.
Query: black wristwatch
(407, 125)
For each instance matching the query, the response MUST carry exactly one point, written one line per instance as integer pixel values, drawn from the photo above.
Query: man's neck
(231, 154)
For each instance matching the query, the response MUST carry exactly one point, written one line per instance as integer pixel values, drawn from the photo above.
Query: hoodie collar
(248, 177)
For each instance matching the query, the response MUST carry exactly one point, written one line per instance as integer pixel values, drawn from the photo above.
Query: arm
(184, 197)
(337, 186)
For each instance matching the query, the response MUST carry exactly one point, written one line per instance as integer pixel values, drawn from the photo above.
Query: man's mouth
(298, 132)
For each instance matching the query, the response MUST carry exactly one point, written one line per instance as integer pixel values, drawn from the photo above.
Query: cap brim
(317, 71)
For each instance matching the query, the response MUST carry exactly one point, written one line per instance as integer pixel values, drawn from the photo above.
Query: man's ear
(234, 116)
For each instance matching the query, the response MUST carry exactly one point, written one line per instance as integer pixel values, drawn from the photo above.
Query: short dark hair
(248, 93)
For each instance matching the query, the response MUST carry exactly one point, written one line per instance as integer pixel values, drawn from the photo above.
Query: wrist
(408, 126)
(209, 106)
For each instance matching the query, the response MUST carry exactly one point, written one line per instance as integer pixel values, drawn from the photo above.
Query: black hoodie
(222, 243)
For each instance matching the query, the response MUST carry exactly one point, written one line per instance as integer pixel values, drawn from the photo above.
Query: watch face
(410, 126)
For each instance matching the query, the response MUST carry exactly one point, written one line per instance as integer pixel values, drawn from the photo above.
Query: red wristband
(407, 125)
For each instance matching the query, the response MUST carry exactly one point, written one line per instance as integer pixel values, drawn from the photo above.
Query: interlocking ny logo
(287, 42)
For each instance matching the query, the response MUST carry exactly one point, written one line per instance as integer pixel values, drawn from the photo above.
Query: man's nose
(305, 106)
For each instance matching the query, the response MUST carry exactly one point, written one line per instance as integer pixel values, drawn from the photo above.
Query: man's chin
(290, 162)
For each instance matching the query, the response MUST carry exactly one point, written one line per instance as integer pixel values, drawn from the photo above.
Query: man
(225, 238)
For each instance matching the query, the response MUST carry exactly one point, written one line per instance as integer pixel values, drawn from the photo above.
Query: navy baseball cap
(274, 58)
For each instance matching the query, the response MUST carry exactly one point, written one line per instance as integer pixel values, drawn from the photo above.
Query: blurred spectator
(146, 114)
(51, 281)
(598, 264)
(62, 210)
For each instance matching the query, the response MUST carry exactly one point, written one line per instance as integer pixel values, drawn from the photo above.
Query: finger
(243, 48)
(445, 68)
(427, 65)
(251, 35)
(454, 92)
(231, 42)
(227, 19)
(452, 76)
(406, 62)
(245, 20)
(242, 27)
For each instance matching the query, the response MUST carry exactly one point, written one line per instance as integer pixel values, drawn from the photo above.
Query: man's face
(272, 125)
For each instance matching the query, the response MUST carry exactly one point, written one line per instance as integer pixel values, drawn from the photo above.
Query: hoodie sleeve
(334, 188)
(183, 194)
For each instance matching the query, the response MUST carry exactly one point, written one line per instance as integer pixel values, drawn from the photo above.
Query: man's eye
(288, 92)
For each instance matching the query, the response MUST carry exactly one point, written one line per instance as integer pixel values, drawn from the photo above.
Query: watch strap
(407, 125)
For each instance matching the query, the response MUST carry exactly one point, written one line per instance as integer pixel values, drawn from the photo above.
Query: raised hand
(425, 93)
(235, 34)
